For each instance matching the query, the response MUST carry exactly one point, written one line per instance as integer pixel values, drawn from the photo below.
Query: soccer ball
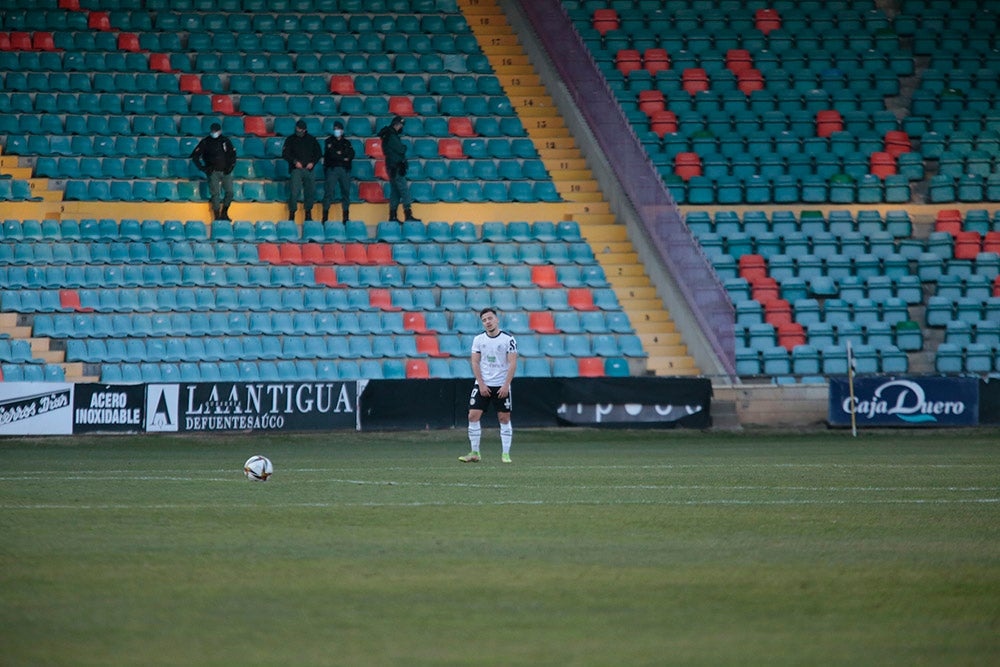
(258, 468)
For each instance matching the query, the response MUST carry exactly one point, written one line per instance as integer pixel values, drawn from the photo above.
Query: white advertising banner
(36, 408)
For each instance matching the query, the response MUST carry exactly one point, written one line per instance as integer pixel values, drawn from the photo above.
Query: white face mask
(338, 133)
(216, 135)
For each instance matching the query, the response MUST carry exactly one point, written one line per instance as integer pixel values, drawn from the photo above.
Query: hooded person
(338, 155)
(396, 166)
(216, 156)
(302, 152)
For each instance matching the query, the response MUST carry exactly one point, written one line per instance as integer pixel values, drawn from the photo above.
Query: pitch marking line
(689, 503)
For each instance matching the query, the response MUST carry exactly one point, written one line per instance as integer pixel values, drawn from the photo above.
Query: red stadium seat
(371, 192)
(128, 41)
(417, 323)
(223, 104)
(738, 60)
(373, 148)
(828, 121)
(342, 84)
(656, 60)
(255, 125)
(777, 312)
(416, 369)
(695, 80)
(190, 83)
(326, 275)
(460, 126)
(542, 322)
(428, 344)
(752, 266)
(43, 41)
(897, 142)
(790, 335)
(581, 298)
(749, 80)
(627, 61)
(663, 122)
(334, 253)
(882, 164)
(450, 148)
(651, 101)
(99, 21)
(687, 165)
(590, 367)
(401, 106)
(766, 20)
(544, 276)
(967, 245)
(604, 20)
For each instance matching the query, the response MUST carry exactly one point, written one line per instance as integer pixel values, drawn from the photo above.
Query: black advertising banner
(251, 406)
(544, 402)
(637, 402)
(102, 408)
(908, 401)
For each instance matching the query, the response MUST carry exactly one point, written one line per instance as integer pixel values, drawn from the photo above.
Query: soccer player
(494, 361)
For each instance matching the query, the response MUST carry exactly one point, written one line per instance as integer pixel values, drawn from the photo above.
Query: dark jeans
(399, 191)
(338, 180)
(220, 189)
(303, 184)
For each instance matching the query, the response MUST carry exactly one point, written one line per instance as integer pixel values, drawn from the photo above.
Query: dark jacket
(213, 154)
(304, 149)
(392, 147)
(338, 153)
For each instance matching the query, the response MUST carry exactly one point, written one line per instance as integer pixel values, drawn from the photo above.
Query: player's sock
(475, 432)
(506, 432)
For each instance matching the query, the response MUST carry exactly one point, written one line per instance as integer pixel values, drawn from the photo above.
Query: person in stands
(338, 154)
(302, 152)
(395, 164)
(216, 156)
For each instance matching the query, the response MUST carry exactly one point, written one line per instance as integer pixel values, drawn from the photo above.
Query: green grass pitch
(593, 548)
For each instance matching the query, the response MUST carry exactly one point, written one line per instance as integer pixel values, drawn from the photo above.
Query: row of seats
(246, 169)
(974, 358)
(16, 189)
(30, 372)
(129, 82)
(808, 311)
(841, 223)
(99, 190)
(268, 191)
(810, 189)
(34, 277)
(313, 254)
(828, 360)
(478, 154)
(269, 231)
(358, 127)
(204, 299)
(180, 323)
(107, 60)
(254, 347)
(348, 369)
(129, 146)
(22, 20)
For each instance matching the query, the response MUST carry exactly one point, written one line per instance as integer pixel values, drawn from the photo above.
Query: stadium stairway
(577, 186)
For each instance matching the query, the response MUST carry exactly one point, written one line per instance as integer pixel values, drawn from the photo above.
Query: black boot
(326, 214)
(392, 214)
(291, 213)
(216, 215)
(224, 213)
(309, 213)
(410, 217)
(347, 214)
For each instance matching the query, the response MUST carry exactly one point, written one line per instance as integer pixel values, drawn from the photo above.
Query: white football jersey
(494, 351)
